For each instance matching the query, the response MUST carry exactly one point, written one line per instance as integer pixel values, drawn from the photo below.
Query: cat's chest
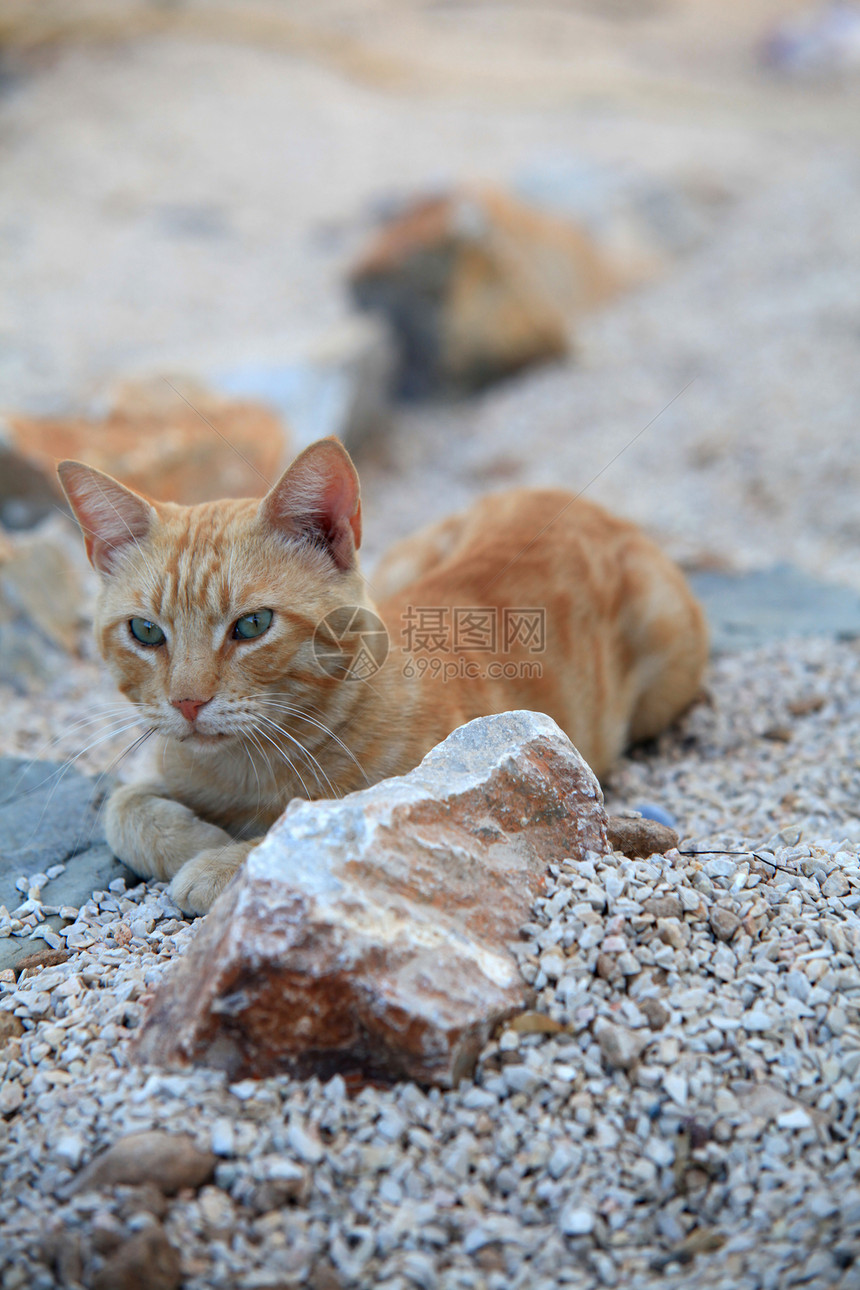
(233, 789)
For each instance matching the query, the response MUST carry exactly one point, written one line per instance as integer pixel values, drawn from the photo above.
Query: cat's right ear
(110, 515)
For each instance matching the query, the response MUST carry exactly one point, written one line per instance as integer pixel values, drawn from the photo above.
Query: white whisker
(287, 759)
(293, 711)
(315, 765)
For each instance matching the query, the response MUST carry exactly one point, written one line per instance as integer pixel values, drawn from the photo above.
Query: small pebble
(576, 1221)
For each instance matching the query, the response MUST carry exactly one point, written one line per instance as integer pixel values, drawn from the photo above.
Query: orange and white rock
(476, 285)
(370, 936)
(182, 444)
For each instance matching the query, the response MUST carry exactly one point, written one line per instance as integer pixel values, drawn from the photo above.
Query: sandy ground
(194, 195)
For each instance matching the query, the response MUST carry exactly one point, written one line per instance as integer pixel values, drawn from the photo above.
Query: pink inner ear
(319, 496)
(111, 516)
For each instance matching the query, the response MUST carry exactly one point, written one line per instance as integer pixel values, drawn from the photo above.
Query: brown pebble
(275, 1193)
(170, 1161)
(11, 1027)
(778, 734)
(620, 1047)
(607, 967)
(673, 932)
(491, 1257)
(145, 1199)
(656, 1012)
(122, 934)
(535, 1023)
(640, 838)
(724, 922)
(703, 1240)
(43, 958)
(323, 1276)
(146, 1261)
(664, 906)
(804, 707)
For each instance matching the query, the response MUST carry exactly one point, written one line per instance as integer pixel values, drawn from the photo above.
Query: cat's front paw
(201, 880)
(153, 833)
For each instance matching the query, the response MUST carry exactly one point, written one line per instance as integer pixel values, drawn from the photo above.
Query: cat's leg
(202, 879)
(154, 834)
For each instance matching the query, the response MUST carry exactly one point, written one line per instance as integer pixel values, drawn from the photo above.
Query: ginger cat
(211, 618)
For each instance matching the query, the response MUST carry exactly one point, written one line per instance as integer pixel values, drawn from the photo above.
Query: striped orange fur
(249, 722)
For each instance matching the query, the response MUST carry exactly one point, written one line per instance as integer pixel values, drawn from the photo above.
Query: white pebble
(797, 1118)
(756, 1021)
(69, 1148)
(576, 1221)
(305, 1146)
(223, 1137)
(719, 867)
(591, 936)
(676, 1086)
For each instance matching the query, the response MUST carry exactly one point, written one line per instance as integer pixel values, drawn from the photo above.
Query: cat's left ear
(318, 497)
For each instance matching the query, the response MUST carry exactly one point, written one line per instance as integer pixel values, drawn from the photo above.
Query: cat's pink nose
(190, 707)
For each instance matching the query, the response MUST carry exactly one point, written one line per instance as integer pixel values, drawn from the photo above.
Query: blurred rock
(339, 384)
(369, 935)
(43, 604)
(178, 442)
(146, 1261)
(170, 1161)
(639, 838)
(28, 493)
(476, 285)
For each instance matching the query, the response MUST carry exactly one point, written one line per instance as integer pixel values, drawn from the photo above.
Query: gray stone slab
(50, 814)
(752, 609)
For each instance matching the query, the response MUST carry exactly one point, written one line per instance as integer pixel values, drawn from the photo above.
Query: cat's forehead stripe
(198, 556)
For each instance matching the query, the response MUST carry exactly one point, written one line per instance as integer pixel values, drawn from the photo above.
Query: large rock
(369, 935)
(44, 598)
(177, 442)
(477, 285)
(50, 815)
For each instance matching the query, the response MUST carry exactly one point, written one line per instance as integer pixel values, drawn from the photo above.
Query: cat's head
(206, 614)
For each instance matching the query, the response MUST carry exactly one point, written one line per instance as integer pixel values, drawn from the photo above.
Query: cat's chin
(202, 739)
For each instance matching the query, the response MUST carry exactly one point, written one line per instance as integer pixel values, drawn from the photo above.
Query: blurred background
(611, 245)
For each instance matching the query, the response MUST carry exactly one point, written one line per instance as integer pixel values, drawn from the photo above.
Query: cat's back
(507, 543)
(613, 642)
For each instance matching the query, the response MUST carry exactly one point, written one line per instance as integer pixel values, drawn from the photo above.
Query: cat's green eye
(249, 626)
(146, 632)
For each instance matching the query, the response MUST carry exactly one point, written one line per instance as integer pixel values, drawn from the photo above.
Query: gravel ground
(681, 1102)
(682, 1108)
